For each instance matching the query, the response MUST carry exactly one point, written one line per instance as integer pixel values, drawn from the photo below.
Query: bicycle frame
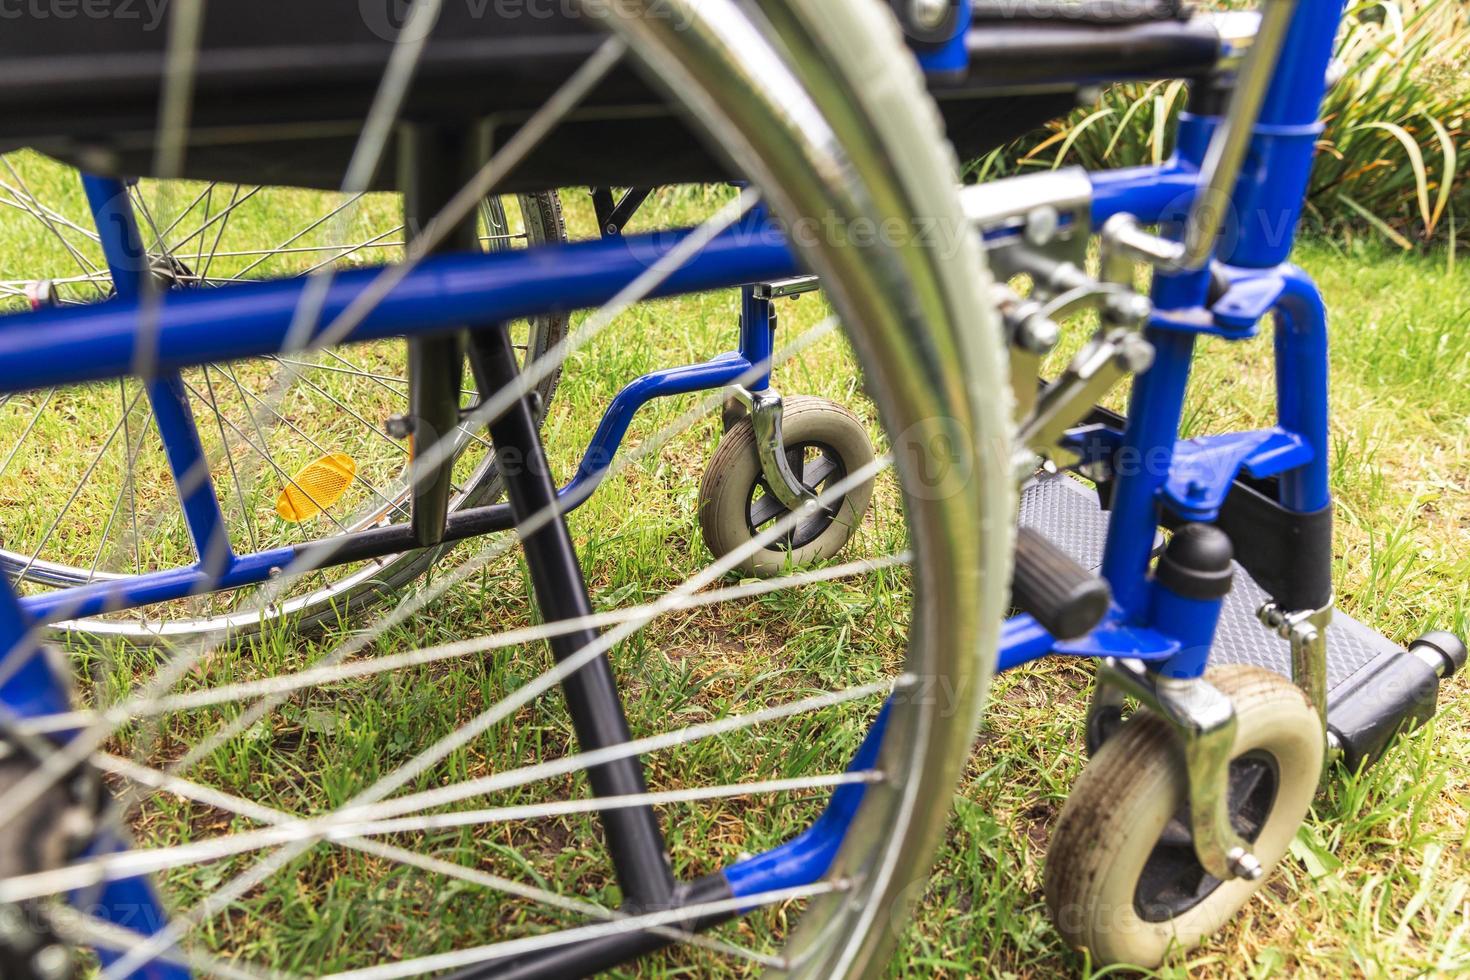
(182, 329)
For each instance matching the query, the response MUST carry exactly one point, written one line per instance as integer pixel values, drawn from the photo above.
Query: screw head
(1038, 334)
(1041, 225)
(1135, 354)
(398, 426)
(928, 14)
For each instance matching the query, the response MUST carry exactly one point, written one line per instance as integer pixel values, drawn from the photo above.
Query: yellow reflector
(316, 486)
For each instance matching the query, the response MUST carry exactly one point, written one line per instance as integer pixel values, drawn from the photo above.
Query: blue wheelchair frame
(1192, 478)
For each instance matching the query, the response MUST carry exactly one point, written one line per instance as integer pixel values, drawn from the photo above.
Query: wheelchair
(397, 403)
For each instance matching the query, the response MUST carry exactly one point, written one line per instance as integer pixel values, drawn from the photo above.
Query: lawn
(1378, 882)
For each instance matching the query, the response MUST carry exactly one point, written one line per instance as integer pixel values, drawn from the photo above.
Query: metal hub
(816, 464)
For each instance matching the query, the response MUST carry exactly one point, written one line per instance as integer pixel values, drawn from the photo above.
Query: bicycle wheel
(823, 109)
(261, 423)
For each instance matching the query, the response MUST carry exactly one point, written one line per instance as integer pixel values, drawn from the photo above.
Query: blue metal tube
(1022, 640)
(757, 335)
(1154, 411)
(141, 590)
(1190, 621)
(117, 233)
(78, 344)
(1294, 97)
(806, 857)
(1147, 192)
(1301, 386)
(723, 370)
(33, 684)
(127, 261)
(190, 468)
(1272, 190)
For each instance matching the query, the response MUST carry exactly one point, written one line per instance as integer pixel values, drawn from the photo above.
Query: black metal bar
(1062, 52)
(392, 539)
(585, 958)
(602, 206)
(434, 163)
(627, 207)
(633, 836)
(612, 218)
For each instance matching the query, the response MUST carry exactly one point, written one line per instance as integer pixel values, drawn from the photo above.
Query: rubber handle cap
(1061, 595)
(1449, 647)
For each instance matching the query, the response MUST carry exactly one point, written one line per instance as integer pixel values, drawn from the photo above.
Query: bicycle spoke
(76, 492)
(219, 235)
(395, 780)
(630, 923)
(30, 426)
(265, 455)
(394, 503)
(88, 267)
(417, 601)
(131, 451)
(342, 827)
(246, 516)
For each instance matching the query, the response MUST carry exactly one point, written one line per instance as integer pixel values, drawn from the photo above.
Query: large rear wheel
(299, 446)
(824, 111)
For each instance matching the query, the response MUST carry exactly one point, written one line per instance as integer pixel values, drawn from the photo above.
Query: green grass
(1377, 884)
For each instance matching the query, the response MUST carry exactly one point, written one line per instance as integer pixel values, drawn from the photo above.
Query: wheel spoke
(321, 676)
(76, 492)
(246, 516)
(818, 470)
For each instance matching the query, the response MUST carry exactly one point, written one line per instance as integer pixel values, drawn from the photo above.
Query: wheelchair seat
(281, 88)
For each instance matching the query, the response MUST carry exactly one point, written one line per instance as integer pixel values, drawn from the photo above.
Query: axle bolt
(398, 426)
(1243, 864)
(1038, 334)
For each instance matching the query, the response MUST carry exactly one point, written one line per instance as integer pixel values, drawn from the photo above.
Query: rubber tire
(735, 469)
(1128, 792)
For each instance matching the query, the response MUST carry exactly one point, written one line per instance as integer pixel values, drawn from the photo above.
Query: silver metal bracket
(1108, 357)
(1203, 718)
(781, 288)
(766, 415)
(1039, 226)
(1306, 631)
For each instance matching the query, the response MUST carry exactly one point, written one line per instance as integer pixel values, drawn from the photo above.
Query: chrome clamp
(1306, 630)
(766, 415)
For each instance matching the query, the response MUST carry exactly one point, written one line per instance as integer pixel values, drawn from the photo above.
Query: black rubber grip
(1065, 598)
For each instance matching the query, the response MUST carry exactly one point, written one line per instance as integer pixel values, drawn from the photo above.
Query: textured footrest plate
(1069, 514)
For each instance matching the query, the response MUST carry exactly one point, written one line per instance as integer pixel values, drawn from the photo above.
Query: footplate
(1068, 513)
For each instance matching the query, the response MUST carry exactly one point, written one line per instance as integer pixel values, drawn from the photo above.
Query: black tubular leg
(434, 163)
(633, 836)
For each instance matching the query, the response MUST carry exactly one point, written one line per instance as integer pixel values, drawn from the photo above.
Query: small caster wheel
(824, 443)
(1122, 879)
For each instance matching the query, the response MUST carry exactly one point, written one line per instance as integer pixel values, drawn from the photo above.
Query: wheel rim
(818, 466)
(1172, 881)
(959, 531)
